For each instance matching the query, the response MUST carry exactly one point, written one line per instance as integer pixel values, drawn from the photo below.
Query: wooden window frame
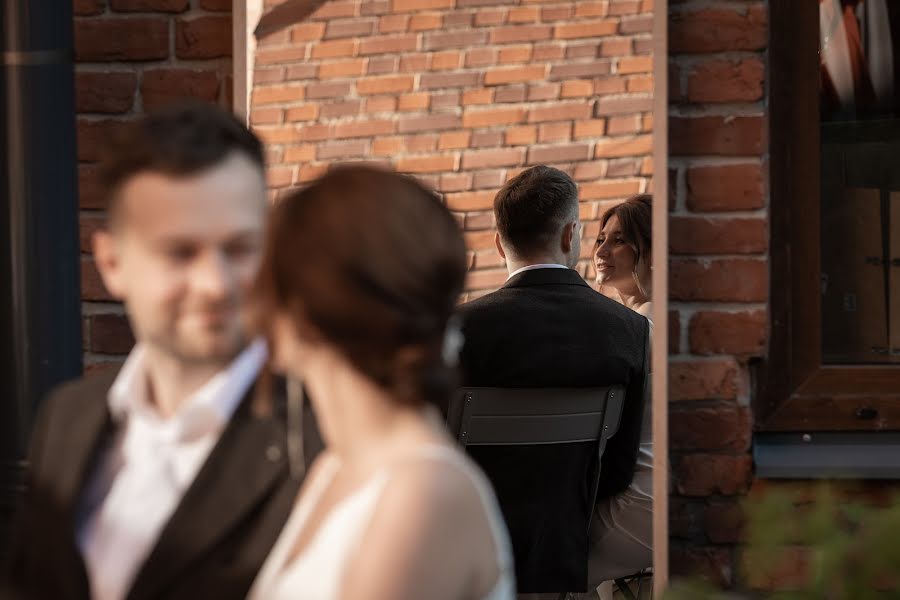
(797, 391)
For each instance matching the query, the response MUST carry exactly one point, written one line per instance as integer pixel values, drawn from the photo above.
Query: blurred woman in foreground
(361, 275)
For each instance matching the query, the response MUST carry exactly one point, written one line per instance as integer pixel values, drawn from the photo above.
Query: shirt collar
(209, 407)
(533, 267)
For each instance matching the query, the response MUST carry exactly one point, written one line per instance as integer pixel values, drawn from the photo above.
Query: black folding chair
(535, 416)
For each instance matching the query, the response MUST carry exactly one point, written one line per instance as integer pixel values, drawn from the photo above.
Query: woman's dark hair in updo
(375, 262)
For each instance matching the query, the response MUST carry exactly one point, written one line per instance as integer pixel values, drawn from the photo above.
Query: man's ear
(569, 237)
(499, 245)
(109, 264)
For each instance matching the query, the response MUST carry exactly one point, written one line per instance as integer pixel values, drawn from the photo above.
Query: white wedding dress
(317, 573)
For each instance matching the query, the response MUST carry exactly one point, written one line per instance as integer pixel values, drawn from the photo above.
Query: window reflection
(860, 180)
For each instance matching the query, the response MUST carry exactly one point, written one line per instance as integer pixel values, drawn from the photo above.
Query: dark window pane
(860, 177)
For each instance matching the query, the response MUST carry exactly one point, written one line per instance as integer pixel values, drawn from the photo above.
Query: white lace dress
(317, 573)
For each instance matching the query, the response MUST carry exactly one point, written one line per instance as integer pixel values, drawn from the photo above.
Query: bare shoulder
(436, 483)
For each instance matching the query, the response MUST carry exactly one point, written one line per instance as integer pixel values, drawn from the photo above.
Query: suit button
(273, 453)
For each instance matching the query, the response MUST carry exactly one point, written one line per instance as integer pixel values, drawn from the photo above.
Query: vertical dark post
(40, 339)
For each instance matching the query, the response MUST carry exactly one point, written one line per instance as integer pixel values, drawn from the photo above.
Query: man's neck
(171, 381)
(513, 265)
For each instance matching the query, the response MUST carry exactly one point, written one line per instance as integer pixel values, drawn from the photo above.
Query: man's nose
(212, 276)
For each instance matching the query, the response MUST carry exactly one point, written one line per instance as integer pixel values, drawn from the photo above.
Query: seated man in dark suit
(169, 478)
(547, 328)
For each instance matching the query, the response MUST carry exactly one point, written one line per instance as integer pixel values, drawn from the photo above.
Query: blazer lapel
(248, 460)
(90, 429)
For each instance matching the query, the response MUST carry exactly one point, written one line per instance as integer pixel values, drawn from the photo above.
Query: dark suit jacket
(548, 328)
(217, 538)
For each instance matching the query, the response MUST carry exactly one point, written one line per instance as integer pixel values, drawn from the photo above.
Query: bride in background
(361, 274)
(622, 528)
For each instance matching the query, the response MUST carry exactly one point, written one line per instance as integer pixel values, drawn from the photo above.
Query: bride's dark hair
(375, 262)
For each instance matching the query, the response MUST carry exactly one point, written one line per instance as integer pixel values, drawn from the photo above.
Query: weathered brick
(346, 28)
(585, 29)
(510, 94)
(414, 101)
(335, 49)
(426, 164)
(579, 70)
(455, 182)
(520, 33)
(734, 333)
(419, 5)
(388, 44)
(110, 334)
(703, 380)
(426, 22)
(560, 131)
(382, 65)
(342, 149)
(431, 81)
(708, 474)
(344, 68)
(170, 6)
(163, 86)
(559, 112)
(725, 187)
(558, 153)
(710, 428)
(629, 146)
(454, 140)
(454, 39)
(203, 37)
(492, 117)
(469, 201)
(369, 128)
(703, 235)
(315, 91)
(718, 30)
(590, 128)
(726, 81)
(384, 85)
(720, 280)
(106, 40)
(107, 92)
(493, 158)
(380, 104)
(514, 75)
(609, 188)
(438, 122)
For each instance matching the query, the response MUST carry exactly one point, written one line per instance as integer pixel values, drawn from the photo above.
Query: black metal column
(40, 323)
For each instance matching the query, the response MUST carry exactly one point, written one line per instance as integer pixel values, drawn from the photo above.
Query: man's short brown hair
(532, 207)
(181, 140)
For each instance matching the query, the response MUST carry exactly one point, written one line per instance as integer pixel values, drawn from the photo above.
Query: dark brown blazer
(217, 538)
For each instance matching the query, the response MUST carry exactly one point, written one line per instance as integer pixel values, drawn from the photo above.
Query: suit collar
(545, 277)
(79, 449)
(242, 468)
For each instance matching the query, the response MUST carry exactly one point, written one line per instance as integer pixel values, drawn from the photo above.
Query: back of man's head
(532, 209)
(181, 140)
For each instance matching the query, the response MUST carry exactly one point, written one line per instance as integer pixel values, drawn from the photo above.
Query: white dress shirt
(533, 267)
(149, 465)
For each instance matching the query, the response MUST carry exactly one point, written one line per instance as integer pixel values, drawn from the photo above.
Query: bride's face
(614, 256)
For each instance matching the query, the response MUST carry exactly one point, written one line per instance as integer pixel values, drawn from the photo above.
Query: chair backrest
(536, 417)
(530, 416)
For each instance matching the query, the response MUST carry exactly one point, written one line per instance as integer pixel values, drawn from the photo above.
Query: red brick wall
(465, 94)
(132, 56)
(719, 272)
